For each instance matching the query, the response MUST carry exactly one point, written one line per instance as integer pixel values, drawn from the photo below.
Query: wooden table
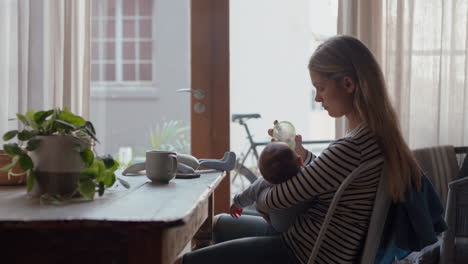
(148, 223)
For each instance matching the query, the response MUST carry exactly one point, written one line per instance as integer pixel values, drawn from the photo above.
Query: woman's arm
(324, 173)
(309, 157)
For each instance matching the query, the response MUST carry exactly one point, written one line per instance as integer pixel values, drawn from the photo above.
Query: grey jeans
(247, 239)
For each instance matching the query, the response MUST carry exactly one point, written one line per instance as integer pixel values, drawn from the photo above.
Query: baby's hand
(235, 211)
(270, 131)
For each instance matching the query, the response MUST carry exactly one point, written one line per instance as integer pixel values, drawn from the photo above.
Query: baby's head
(278, 162)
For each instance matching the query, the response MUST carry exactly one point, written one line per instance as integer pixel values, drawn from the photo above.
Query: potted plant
(55, 151)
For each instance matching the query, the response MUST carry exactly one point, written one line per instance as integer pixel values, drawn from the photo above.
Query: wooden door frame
(210, 72)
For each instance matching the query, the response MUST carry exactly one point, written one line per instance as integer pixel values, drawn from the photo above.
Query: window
(268, 70)
(323, 17)
(133, 95)
(122, 43)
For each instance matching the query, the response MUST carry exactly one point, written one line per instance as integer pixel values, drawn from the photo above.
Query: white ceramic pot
(58, 164)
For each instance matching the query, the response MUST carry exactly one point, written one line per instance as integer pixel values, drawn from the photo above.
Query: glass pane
(96, 7)
(278, 57)
(145, 72)
(145, 7)
(109, 72)
(95, 51)
(110, 8)
(134, 110)
(109, 50)
(95, 26)
(129, 50)
(129, 72)
(109, 28)
(95, 72)
(129, 28)
(129, 7)
(145, 28)
(145, 50)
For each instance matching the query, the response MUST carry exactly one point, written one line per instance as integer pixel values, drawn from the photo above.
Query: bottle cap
(284, 131)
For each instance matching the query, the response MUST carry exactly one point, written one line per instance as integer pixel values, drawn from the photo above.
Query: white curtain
(44, 57)
(422, 47)
(13, 66)
(67, 55)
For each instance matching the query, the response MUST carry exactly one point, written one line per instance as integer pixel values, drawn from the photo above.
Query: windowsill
(135, 91)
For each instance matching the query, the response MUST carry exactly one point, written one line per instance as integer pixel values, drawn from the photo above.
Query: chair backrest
(440, 165)
(454, 247)
(376, 225)
(331, 210)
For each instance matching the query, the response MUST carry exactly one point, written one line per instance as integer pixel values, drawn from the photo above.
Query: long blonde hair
(342, 56)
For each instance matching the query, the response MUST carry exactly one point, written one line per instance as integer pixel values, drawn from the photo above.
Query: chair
(454, 247)
(379, 214)
(440, 165)
(442, 168)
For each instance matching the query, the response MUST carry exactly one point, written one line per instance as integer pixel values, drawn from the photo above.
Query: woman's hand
(300, 150)
(270, 131)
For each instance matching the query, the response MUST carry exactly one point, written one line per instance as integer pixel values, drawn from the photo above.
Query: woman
(349, 83)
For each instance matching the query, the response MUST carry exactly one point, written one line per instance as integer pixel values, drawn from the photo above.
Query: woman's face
(336, 96)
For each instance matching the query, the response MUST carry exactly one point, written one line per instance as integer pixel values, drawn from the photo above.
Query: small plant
(171, 135)
(99, 173)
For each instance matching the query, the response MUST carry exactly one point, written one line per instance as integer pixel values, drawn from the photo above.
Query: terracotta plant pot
(57, 164)
(14, 180)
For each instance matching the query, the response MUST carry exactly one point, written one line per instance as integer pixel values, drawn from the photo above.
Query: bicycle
(240, 168)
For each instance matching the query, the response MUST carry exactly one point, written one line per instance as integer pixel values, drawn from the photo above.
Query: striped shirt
(320, 179)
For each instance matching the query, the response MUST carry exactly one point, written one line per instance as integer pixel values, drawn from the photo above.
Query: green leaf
(109, 179)
(30, 114)
(41, 116)
(90, 133)
(87, 156)
(101, 167)
(88, 174)
(65, 124)
(12, 149)
(9, 135)
(124, 183)
(87, 189)
(101, 188)
(25, 135)
(70, 118)
(31, 180)
(30, 119)
(33, 144)
(115, 167)
(23, 119)
(10, 165)
(25, 162)
(108, 161)
(90, 126)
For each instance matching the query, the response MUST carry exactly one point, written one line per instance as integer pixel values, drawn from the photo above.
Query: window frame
(120, 87)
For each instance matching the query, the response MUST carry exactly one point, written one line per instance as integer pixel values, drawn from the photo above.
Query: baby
(277, 163)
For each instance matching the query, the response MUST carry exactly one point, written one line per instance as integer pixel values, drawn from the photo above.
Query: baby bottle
(284, 131)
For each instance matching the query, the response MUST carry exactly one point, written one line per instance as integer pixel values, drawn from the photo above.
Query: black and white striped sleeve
(309, 158)
(323, 174)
